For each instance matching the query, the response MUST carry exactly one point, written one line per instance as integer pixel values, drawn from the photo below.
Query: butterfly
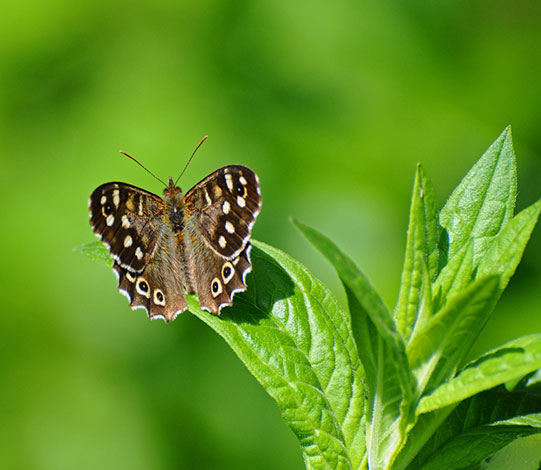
(165, 248)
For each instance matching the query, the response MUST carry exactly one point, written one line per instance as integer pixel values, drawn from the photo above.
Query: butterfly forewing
(127, 219)
(223, 208)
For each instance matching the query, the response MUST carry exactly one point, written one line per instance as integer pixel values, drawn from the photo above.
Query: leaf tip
(300, 226)
(507, 139)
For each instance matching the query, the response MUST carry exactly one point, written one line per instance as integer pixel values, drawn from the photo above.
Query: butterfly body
(165, 248)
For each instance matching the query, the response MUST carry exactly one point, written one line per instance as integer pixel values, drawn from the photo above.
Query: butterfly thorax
(174, 202)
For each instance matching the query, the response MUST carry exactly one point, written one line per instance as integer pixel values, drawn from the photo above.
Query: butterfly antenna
(142, 166)
(196, 148)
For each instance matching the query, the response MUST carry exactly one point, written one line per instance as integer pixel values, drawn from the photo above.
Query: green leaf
(421, 252)
(512, 360)
(426, 303)
(505, 252)
(296, 340)
(471, 448)
(382, 351)
(471, 431)
(533, 420)
(454, 276)
(484, 201)
(96, 251)
(418, 435)
(436, 352)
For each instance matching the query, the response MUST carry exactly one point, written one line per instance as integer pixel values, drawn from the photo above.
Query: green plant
(370, 388)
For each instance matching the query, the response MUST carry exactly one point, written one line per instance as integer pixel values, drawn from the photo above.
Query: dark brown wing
(159, 289)
(127, 220)
(149, 268)
(220, 213)
(222, 209)
(218, 279)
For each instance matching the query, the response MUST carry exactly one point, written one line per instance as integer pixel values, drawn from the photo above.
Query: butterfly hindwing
(159, 289)
(218, 279)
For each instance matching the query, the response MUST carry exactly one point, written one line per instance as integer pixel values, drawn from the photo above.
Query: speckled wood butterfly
(165, 248)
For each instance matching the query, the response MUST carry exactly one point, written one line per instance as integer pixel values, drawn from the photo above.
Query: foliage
(373, 388)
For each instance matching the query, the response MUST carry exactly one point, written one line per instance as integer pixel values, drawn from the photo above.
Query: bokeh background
(332, 103)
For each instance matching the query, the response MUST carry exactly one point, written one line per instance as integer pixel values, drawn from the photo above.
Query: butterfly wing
(220, 213)
(218, 279)
(223, 208)
(126, 219)
(159, 289)
(130, 222)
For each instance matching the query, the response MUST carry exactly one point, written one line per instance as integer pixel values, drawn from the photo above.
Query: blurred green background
(331, 103)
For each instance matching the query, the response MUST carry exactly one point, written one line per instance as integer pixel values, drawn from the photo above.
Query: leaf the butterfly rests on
(165, 248)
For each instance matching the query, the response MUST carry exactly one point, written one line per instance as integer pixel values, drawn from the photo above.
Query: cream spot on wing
(229, 227)
(225, 208)
(103, 200)
(207, 197)
(130, 276)
(128, 241)
(229, 181)
(125, 221)
(116, 198)
(140, 211)
(241, 201)
(142, 287)
(258, 188)
(138, 253)
(242, 180)
(215, 287)
(110, 220)
(227, 272)
(221, 241)
(159, 298)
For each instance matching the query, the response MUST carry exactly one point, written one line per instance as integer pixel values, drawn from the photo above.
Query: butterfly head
(172, 193)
